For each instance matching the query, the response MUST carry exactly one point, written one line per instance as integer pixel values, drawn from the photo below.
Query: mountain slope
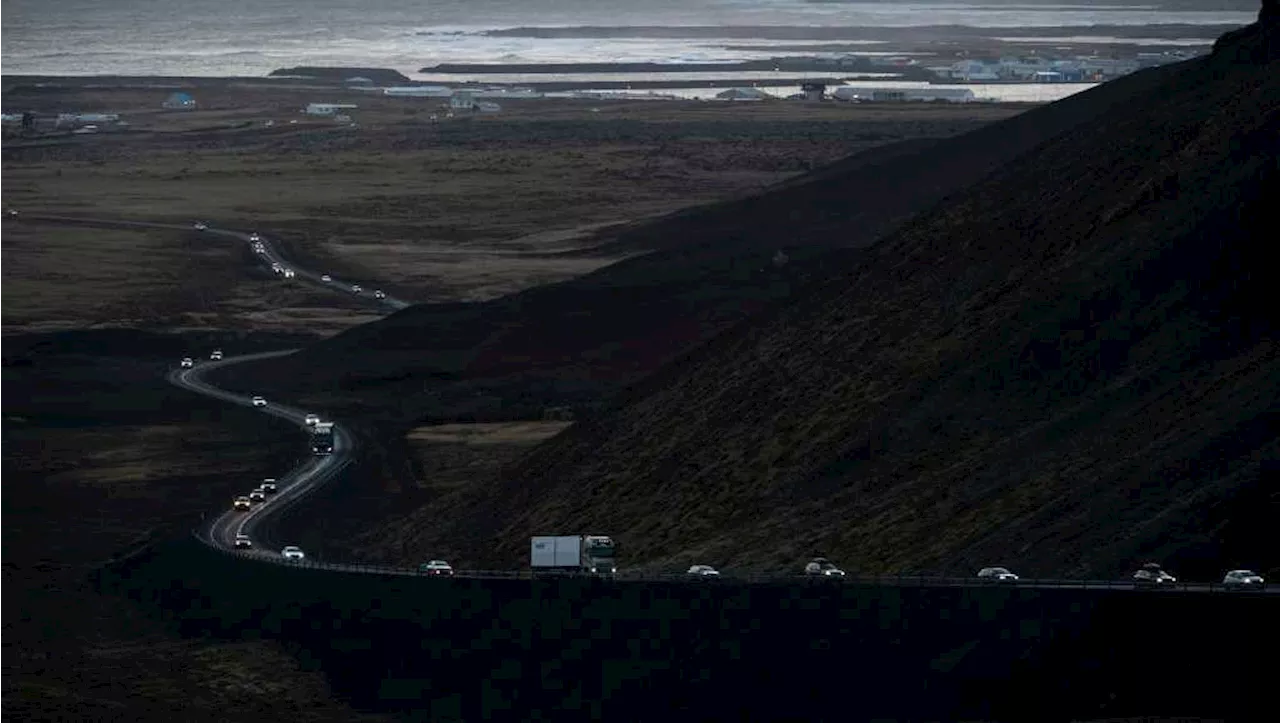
(1069, 366)
(578, 341)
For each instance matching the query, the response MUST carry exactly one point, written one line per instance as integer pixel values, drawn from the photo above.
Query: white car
(257, 496)
(326, 278)
(268, 485)
(289, 274)
(823, 567)
(259, 249)
(356, 289)
(436, 568)
(703, 571)
(293, 552)
(1152, 574)
(1243, 578)
(243, 541)
(201, 226)
(254, 237)
(188, 362)
(216, 355)
(312, 420)
(277, 268)
(11, 212)
(241, 503)
(258, 402)
(379, 295)
(998, 574)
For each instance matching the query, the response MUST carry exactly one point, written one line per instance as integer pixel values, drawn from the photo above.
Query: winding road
(317, 470)
(272, 254)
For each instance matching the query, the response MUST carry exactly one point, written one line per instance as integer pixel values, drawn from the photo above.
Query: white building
(327, 108)
(419, 91)
(461, 100)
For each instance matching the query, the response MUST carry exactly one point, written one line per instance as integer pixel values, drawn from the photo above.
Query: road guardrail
(273, 558)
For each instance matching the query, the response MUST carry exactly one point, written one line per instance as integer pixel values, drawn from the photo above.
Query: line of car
(279, 269)
(1150, 574)
(269, 485)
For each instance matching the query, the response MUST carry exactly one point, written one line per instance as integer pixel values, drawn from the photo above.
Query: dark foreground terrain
(591, 650)
(102, 458)
(1068, 367)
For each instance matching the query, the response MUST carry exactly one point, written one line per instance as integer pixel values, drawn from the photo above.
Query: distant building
(179, 101)
(461, 100)
(327, 109)
(813, 91)
(743, 94)
(953, 95)
(419, 91)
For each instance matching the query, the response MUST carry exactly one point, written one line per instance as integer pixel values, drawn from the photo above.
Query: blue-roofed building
(180, 101)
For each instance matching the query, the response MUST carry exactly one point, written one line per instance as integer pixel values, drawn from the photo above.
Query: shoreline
(321, 83)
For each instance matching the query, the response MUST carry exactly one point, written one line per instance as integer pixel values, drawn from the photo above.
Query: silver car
(703, 571)
(1244, 578)
(1152, 574)
(998, 574)
(293, 552)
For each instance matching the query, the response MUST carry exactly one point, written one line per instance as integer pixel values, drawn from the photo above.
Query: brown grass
(452, 210)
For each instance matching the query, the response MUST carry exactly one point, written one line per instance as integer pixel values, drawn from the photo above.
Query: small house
(327, 109)
(461, 100)
(180, 101)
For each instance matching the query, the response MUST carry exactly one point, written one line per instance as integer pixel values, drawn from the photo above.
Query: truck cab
(597, 555)
(322, 438)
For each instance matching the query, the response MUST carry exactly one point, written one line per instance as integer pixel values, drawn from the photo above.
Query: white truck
(592, 554)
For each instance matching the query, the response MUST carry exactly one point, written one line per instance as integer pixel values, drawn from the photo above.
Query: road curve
(272, 254)
(317, 470)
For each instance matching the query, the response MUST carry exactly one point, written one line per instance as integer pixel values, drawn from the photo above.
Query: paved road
(272, 255)
(291, 488)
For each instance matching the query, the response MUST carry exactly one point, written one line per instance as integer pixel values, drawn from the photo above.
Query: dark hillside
(578, 341)
(1067, 368)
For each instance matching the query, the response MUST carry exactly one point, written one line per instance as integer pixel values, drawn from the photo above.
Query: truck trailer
(591, 554)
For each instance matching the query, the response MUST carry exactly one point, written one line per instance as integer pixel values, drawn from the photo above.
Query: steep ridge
(1068, 367)
(578, 341)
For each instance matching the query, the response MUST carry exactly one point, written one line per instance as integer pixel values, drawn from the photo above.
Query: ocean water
(254, 37)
